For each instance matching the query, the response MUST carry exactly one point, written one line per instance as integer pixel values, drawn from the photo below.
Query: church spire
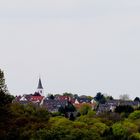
(40, 87)
(40, 84)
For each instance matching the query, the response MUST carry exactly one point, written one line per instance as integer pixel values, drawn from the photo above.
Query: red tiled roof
(36, 98)
(68, 98)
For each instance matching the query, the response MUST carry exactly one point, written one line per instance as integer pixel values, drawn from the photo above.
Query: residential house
(53, 105)
(110, 105)
(80, 101)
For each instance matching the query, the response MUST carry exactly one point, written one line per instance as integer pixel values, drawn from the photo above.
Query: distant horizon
(46, 93)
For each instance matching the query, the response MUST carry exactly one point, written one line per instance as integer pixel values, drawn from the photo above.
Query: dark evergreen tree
(68, 94)
(72, 118)
(5, 97)
(137, 99)
(3, 86)
(100, 98)
(70, 107)
(51, 97)
(109, 98)
(127, 109)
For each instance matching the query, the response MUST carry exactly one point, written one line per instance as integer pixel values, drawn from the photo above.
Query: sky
(77, 46)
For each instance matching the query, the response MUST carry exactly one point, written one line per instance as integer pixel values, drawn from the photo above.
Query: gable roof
(53, 105)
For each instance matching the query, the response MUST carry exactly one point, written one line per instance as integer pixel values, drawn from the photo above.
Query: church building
(40, 89)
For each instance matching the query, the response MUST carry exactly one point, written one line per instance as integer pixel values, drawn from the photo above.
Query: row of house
(53, 105)
(58, 101)
(110, 105)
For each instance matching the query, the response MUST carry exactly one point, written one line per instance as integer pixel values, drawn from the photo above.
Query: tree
(109, 97)
(36, 94)
(70, 107)
(5, 97)
(130, 127)
(68, 94)
(100, 98)
(75, 96)
(100, 128)
(72, 118)
(89, 97)
(65, 109)
(62, 110)
(50, 96)
(137, 99)
(3, 86)
(127, 109)
(135, 136)
(91, 113)
(124, 129)
(135, 115)
(85, 108)
(119, 131)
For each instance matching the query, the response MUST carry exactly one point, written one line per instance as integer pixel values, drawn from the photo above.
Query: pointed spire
(40, 84)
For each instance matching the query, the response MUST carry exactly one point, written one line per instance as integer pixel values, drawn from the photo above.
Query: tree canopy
(30, 122)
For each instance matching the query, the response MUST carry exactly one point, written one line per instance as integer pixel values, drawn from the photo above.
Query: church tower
(40, 87)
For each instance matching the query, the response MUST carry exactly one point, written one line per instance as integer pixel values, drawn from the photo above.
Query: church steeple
(40, 87)
(40, 84)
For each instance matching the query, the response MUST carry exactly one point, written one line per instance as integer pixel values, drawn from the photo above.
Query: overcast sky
(78, 46)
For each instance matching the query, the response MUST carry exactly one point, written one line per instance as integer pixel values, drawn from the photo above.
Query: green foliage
(109, 98)
(110, 118)
(119, 131)
(135, 136)
(124, 130)
(3, 86)
(130, 127)
(85, 108)
(83, 134)
(135, 115)
(100, 128)
(79, 125)
(125, 109)
(5, 97)
(42, 134)
(88, 120)
(100, 98)
(68, 108)
(32, 112)
(68, 94)
(28, 122)
(91, 113)
(59, 121)
(89, 97)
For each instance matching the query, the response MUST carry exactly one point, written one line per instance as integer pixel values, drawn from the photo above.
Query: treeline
(20, 122)
(28, 122)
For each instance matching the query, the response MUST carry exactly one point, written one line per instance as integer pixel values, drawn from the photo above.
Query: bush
(135, 115)
(119, 131)
(135, 136)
